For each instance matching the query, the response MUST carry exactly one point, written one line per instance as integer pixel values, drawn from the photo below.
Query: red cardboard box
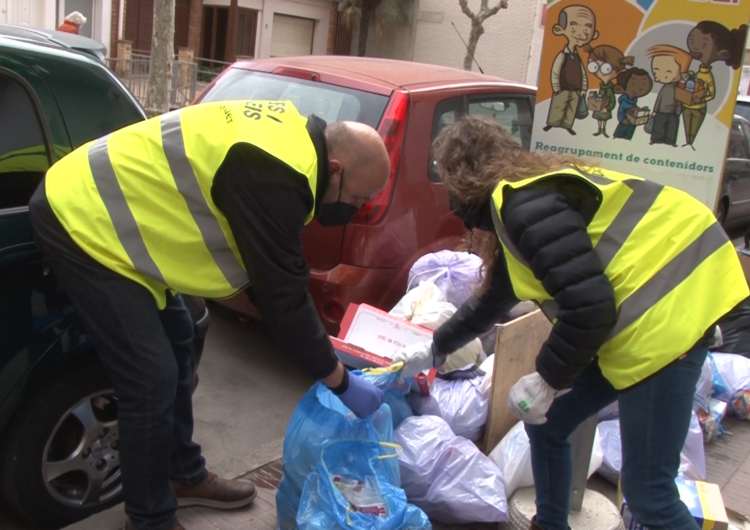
(370, 337)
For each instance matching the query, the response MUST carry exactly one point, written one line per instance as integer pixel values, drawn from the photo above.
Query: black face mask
(337, 213)
(474, 215)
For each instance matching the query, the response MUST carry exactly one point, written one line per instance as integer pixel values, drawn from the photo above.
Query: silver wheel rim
(81, 461)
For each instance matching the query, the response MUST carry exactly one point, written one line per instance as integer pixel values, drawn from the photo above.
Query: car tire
(59, 454)
(721, 212)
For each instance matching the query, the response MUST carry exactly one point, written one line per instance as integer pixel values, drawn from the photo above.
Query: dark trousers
(146, 354)
(666, 127)
(654, 421)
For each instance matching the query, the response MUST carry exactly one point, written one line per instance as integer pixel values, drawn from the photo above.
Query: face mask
(337, 213)
(474, 216)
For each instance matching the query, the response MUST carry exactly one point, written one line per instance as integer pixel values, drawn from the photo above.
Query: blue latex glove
(362, 397)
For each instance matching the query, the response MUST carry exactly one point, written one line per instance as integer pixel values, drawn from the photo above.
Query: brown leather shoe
(215, 492)
(178, 526)
(534, 526)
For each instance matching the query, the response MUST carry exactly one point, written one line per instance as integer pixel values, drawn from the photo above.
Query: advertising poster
(646, 87)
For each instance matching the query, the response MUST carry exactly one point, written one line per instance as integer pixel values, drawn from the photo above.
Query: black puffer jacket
(547, 222)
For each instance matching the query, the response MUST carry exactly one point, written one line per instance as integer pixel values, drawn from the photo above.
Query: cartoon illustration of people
(710, 42)
(632, 83)
(606, 62)
(569, 81)
(668, 63)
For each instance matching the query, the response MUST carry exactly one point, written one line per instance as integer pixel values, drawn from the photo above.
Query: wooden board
(518, 343)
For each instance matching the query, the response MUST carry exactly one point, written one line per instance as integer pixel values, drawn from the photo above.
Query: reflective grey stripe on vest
(119, 211)
(669, 277)
(187, 184)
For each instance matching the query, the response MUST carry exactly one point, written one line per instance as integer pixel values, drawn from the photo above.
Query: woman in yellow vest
(633, 275)
(207, 201)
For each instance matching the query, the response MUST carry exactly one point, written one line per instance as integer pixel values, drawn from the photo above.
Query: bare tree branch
(503, 4)
(467, 10)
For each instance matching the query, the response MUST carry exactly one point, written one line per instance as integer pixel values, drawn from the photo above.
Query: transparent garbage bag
(447, 476)
(354, 486)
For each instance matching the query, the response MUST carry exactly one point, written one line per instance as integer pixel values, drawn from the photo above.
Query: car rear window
(743, 109)
(330, 102)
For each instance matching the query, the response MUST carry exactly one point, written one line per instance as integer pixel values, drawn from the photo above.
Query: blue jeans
(654, 421)
(147, 356)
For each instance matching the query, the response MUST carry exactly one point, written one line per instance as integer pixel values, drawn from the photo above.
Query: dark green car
(58, 415)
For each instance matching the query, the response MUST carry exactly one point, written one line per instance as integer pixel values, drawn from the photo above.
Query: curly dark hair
(474, 154)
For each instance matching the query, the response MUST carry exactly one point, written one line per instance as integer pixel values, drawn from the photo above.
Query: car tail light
(392, 129)
(299, 73)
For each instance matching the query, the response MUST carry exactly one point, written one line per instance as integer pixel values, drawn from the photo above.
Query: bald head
(357, 150)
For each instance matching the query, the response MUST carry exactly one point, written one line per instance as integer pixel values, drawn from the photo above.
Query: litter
(734, 371)
(456, 274)
(447, 476)
(353, 486)
(321, 419)
(461, 403)
(513, 457)
(426, 306)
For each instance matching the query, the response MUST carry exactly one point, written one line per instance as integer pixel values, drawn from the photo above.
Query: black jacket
(547, 222)
(266, 203)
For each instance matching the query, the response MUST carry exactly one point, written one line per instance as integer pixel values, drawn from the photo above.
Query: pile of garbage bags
(415, 460)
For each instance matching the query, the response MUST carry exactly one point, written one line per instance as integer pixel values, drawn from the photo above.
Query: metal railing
(134, 73)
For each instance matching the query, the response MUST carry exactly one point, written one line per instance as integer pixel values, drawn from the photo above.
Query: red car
(368, 261)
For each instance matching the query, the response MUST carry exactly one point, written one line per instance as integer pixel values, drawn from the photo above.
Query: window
(330, 102)
(23, 151)
(513, 113)
(246, 23)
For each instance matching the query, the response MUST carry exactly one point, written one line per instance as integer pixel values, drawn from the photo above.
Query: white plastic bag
(447, 476)
(735, 371)
(693, 457)
(461, 403)
(425, 305)
(488, 367)
(513, 456)
(704, 387)
(456, 274)
(612, 446)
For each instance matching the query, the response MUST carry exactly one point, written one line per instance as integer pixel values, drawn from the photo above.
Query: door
(139, 24)
(291, 36)
(24, 12)
(737, 173)
(87, 9)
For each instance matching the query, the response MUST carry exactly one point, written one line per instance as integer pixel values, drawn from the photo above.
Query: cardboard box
(686, 98)
(370, 337)
(702, 499)
(638, 116)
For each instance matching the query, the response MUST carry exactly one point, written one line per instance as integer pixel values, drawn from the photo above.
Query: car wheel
(59, 455)
(721, 212)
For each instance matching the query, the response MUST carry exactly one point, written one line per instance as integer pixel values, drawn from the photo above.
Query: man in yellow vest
(207, 200)
(634, 276)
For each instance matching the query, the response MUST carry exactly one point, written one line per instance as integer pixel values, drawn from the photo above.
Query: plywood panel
(518, 343)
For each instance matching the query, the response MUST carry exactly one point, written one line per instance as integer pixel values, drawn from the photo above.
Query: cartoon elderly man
(569, 83)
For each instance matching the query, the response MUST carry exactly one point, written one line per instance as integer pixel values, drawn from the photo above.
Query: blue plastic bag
(353, 488)
(321, 419)
(720, 387)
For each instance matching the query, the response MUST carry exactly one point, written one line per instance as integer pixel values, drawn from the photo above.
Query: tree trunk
(162, 53)
(364, 27)
(477, 29)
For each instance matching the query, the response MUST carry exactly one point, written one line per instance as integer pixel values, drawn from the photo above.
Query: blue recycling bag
(321, 419)
(353, 487)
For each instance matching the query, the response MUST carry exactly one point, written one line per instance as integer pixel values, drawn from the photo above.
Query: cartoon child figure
(668, 63)
(606, 62)
(632, 83)
(710, 42)
(569, 81)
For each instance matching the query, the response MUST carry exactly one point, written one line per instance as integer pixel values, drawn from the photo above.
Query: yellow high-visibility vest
(139, 202)
(673, 269)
